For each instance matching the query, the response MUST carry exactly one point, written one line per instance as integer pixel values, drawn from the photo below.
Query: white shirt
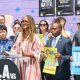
(9, 32)
(55, 40)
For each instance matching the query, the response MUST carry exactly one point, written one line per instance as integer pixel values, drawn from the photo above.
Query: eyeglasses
(42, 24)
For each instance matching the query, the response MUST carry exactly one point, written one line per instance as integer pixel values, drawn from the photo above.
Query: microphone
(16, 35)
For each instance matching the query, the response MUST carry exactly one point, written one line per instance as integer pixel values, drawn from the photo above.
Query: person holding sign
(43, 30)
(64, 48)
(76, 42)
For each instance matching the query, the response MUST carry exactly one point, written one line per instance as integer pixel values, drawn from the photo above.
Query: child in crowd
(5, 44)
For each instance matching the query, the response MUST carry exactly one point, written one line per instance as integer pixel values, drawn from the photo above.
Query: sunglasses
(24, 21)
(42, 24)
(16, 27)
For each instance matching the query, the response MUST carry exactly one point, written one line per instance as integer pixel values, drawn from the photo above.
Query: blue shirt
(46, 37)
(5, 45)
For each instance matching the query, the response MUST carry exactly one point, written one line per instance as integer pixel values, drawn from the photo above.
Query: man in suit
(64, 47)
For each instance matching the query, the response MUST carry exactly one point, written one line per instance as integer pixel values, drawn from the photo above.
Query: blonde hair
(32, 28)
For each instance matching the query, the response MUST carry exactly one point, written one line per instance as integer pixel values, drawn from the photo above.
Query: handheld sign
(51, 62)
(75, 64)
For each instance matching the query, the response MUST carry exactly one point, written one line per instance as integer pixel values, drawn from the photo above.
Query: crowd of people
(23, 40)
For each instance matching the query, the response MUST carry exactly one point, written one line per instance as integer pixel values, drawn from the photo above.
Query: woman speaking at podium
(29, 46)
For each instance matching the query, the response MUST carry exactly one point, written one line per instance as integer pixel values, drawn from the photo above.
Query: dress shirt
(55, 40)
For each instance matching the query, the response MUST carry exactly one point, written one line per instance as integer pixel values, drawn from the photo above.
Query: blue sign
(75, 64)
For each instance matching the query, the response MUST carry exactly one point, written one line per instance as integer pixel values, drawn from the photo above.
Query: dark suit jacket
(64, 47)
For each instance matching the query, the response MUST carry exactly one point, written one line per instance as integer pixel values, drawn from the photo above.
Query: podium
(28, 67)
(11, 68)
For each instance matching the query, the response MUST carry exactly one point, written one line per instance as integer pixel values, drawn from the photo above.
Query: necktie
(54, 42)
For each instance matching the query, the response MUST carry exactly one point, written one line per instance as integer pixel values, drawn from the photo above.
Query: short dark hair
(56, 21)
(2, 16)
(15, 24)
(78, 23)
(16, 21)
(3, 27)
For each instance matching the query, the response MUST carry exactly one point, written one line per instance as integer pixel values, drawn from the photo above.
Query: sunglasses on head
(42, 24)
